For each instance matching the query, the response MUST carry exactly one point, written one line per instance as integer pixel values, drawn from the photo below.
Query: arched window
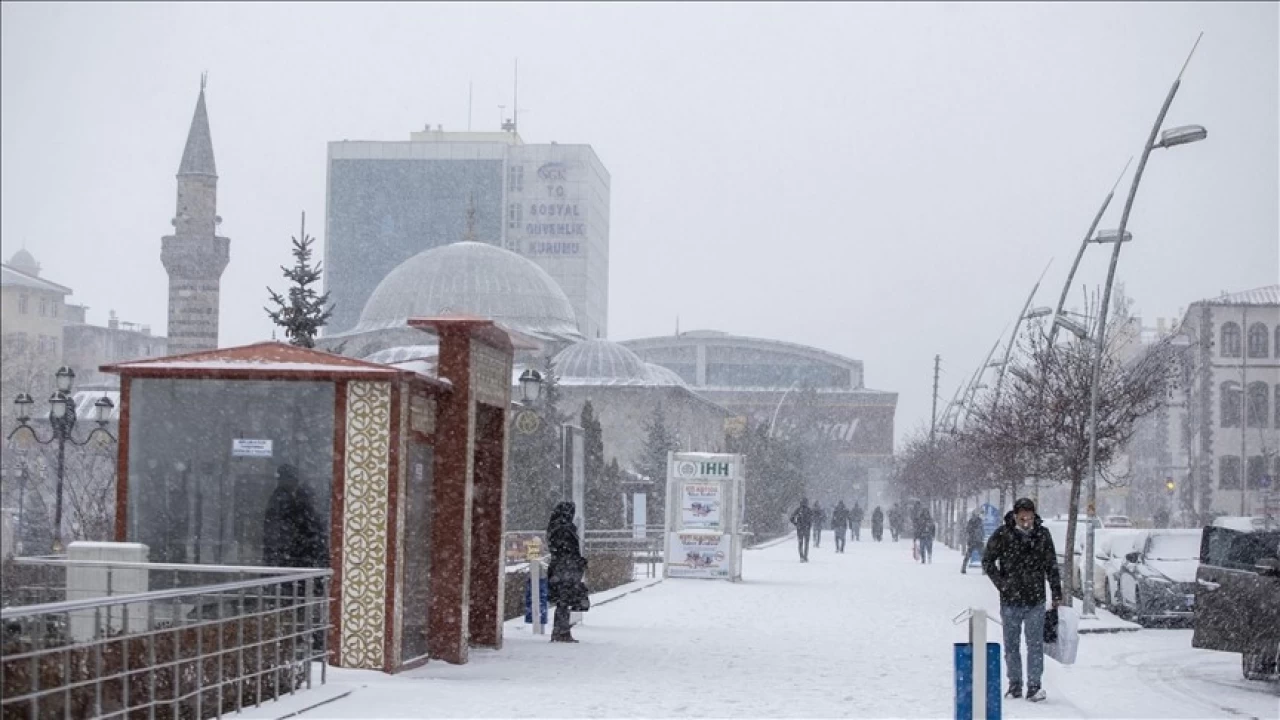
(1277, 407)
(1258, 404)
(1257, 468)
(1229, 472)
(1229, 405)
(1258, 341)
(1230, 344)
(1276, 345)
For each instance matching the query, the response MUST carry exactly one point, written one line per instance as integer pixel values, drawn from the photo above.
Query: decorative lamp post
(62, 421)
(530, 385)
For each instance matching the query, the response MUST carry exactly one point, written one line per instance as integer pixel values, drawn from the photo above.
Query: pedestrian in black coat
(840, 524)
(566, 572)
(895, 522)
(1020, 558)
(855, 522)
(925, 531)
(293, 534)
(819, 519)
(974, 538)
(877, 524)
(802, 518)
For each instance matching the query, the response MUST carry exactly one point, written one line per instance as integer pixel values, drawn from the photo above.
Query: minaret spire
(197, 157)
(471, 218)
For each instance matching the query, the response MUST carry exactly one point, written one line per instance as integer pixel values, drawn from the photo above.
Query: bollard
(535, 591)
(977, 671)
(978, 641)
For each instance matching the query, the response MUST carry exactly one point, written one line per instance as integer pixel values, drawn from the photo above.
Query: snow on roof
(12, 276)
(270, 356)
(217, 364)
(1265, 295)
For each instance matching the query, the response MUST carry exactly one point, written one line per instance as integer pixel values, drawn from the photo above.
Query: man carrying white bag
(1019, 559)
(1062, 634)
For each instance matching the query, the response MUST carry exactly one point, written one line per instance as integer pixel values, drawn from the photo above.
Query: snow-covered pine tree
(304, 312)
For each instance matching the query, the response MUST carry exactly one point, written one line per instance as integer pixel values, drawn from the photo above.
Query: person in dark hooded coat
(839, 524)
(565, 587)
(293, 534)
(802, 518)
(855, 522)
(895, 521)
(877, 524)
(819, 518)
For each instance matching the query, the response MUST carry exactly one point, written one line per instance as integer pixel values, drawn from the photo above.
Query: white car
(1158, 577)
(1110, 548)
(1118, 521)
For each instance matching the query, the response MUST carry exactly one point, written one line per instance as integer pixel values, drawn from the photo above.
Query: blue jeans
(1015, 618)
(926, 549)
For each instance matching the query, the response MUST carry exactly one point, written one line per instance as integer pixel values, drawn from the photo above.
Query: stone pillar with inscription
(195, 256)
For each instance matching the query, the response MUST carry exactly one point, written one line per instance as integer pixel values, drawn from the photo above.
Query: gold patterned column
(364, 525)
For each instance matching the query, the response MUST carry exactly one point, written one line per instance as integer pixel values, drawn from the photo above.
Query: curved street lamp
(62, 420)
(1171, 138)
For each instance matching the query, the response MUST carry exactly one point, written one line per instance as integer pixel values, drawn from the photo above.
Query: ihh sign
(689, 469)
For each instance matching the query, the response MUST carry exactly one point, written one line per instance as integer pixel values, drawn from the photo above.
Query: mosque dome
(471, 278)
(659, 375)
(601, 362)
(25, 262)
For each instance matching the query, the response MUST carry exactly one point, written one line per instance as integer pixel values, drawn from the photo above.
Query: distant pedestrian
(877, 524)
(974, 538)
(566, 588)
(802, 518)
(855, 522)
(840, 524)
(925, 529)
(819, 517)
(895, 521)
(1020, 558)
(293, 533)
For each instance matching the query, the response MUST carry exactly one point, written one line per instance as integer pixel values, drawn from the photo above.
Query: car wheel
(1258, 666)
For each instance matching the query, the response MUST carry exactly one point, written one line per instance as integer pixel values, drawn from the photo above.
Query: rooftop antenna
(515, 112)
(677, 326)
(204, 79)
(469, 96)
(471, 218)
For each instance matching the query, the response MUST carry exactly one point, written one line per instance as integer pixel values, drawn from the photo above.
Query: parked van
(1237, 606)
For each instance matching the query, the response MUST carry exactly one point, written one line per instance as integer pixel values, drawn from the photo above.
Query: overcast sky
(882, 181)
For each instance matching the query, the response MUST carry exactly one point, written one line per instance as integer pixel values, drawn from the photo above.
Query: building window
(1277, 407)
(55, 308)
(1258, 341)
(515, 215)
(515, 178)
(1277, 342)
(1229, 472)
(22, 304)
(1229, 406)
(1258, 404)
(1230, 345)
(44, 307)
(1257, 469)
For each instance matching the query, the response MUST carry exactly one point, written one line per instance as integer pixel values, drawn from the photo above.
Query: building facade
(388, 201)
(87, 347)
(1232, 400)
(33, 311)
(762, 380)
(195, 255)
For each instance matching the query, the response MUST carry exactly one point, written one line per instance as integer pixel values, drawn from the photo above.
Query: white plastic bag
(1064, 651)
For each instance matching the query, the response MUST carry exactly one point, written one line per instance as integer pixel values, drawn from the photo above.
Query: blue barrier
(542, 601)
(964, 681)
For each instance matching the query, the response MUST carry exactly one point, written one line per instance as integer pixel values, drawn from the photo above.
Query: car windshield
(1174, 547)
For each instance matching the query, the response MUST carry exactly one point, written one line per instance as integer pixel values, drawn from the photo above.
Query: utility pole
(933, 421)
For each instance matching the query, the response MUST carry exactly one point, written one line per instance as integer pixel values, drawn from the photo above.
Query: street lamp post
(62, 421)
(1171, 138)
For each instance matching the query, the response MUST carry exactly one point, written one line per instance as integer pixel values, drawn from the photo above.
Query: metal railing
(200, 641)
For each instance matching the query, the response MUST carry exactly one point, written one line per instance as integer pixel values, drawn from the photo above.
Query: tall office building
(388, 201)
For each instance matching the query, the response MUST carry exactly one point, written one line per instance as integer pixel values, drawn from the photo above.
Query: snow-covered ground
(865, 634)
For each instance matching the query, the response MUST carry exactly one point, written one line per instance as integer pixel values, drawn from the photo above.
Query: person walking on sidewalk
(819, 517)
(840, 524)
(973, 538)
(566, 571)
(895, 521)
(877, 524)
(802, 518)
(855, 522)
(1020, 558)
(925, 530)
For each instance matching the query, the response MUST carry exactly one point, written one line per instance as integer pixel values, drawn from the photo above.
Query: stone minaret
(194, 256)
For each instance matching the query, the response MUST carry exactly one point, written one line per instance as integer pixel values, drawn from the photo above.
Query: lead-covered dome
(471, 278)
(600, 362)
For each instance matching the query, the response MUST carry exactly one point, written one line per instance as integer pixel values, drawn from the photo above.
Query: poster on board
(698, 555)
(700, 505)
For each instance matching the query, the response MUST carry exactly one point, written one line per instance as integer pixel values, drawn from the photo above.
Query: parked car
(1243, 523)
(1118, 521)
(1157, 580)
(1110, 547)
(1238, 598)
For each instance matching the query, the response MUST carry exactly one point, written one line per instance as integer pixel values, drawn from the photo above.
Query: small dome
(470, 278)
(25, 262)
(600, 362)
(659, 375)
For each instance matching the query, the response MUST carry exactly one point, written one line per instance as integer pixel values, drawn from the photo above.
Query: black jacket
(818, 516)
(293, 534)
(802, 518)
(568, 567)
(1019, 563)
(840, 518)
(973, 531)
(877, 518)
(856, 515)
(925, 527)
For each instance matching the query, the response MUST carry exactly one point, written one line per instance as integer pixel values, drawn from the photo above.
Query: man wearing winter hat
(1019, 559)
